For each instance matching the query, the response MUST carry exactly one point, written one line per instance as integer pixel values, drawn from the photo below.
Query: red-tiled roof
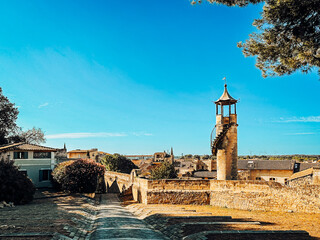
(25, 147)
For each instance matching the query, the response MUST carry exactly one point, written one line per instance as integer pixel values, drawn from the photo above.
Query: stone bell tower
(225, 144)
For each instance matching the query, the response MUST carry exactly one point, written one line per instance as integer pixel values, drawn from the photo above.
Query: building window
(45, 175)
(286, 181)
(20, 155)
(272, 179)
(41, 154)
(258, 178)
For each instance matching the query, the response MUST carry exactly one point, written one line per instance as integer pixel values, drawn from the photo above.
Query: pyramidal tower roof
(226, 98)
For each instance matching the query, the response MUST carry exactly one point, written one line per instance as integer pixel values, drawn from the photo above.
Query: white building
(36, 161)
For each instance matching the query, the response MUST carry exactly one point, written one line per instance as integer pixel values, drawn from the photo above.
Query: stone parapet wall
(179, 197)
(245, 195)
(116, 182)
(241, 185)
(316, 176)
(172, 184)
(140, 189)
(306, 180)
(265, 196)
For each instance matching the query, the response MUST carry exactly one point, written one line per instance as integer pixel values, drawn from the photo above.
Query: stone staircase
(217, 142)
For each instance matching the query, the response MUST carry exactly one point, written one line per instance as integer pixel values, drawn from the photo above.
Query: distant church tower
(225, 143)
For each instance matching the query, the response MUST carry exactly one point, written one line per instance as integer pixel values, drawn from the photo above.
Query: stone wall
(179, 197)
(171, 191)
(172, 184)
(140, 190)
(265, 196)
(117, 182)
(305, 180)
(246, 195)
(316, 176)
(309, 176)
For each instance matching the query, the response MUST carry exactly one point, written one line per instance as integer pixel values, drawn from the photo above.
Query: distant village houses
(93, 154)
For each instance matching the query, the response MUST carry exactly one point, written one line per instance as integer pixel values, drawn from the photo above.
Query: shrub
(196, 157)
(164, 171)
(15, 186)
(78, 176)
(118, 163)
(58, 174)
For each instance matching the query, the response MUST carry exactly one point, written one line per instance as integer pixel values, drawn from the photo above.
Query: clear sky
(136, 77)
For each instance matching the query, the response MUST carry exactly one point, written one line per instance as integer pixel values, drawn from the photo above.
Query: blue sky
(136, 77)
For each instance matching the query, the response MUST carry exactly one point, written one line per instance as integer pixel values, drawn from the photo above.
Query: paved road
(116, 222)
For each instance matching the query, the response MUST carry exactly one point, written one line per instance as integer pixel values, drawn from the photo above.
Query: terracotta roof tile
(25, 147)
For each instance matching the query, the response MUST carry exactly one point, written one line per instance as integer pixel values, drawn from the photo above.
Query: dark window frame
(45, 175)
(42, 155)
(20, 155)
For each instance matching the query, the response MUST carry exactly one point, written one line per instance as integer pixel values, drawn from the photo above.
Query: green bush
(196, 157)
(118, 163)
(58, 174)
(15, 186)
(78, 176)
(164, 171)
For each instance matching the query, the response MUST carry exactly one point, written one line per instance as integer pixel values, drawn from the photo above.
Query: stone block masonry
(265, 197)
(245, 195)
(179, 197)
(172, 184)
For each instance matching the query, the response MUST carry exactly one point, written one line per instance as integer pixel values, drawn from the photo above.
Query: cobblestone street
(51, 215)
(115, 222)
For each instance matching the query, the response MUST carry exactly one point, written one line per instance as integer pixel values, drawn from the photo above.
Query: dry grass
(273, 220)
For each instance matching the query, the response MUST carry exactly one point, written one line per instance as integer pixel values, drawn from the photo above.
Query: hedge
(15, 186)
(78, 175)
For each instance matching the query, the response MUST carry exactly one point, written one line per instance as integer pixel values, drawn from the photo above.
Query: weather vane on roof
(225, 80)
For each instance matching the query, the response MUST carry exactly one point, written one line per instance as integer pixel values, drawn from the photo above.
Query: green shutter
(25, 155)
(15, 155)
(40, 175)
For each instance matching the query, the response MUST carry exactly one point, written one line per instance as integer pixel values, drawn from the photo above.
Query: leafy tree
(205, 157)
(34, 135)
(14, 185)
(196, 157)
(288, 36)
(9, 131)
(8, 117)
(78, 176)
(118, 163)
(188, 156)
(164, 171)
